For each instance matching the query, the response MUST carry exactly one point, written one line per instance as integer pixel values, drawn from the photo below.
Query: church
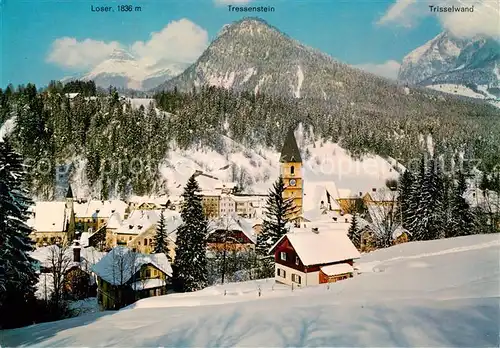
(292, 174)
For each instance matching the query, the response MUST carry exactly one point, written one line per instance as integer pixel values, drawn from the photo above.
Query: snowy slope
(441, 293)
(7, 127)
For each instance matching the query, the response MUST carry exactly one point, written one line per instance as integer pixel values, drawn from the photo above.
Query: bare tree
(383, 215)
(59, 261)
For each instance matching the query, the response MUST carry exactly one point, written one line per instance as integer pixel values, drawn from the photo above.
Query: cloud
(232, 2)
(401, 12)
(388, 69)
(180, 42)
(485, 19)
(68, 52)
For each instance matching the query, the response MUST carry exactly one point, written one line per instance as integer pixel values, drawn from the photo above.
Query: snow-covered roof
(96, 208)
(84, 239)
(234, 222)
(327, 246)
(45, 255)
(226, 185)
(339, 268)
(121, 264)
(50, 217)
(210, 193)
(114, 221)
(71, 95)
(383, 195)
(173, 221)
(399, 232)
(139, 221)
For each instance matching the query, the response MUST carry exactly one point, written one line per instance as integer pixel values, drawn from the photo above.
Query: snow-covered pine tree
(405, 191)
(274, 226)
(17, 267)
(160, 241)
(462, 217)
(190, 265)
(412, 218)
(430, 212)
(354, 233)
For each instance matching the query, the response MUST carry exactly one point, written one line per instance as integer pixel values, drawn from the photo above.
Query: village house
(312, 256)
(227, 205)
(143, 242)
(231, 233)
(226, 187)
(91, 215)
(210, 201)
(73, 263)
(125, 276)
(382, 196)
(52, 222)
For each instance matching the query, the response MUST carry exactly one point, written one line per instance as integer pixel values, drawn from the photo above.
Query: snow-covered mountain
(254, 56)
(121, 69)
(473, 64)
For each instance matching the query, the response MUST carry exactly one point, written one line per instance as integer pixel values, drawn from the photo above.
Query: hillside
(437, 293)
(250, 55)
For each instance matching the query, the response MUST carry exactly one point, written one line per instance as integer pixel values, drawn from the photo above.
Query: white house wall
(306, 279)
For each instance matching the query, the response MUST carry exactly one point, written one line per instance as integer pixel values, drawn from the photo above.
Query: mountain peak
(121, 54)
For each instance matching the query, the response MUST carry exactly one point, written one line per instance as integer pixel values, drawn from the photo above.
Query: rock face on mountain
(254, 56)
(121, 69)
(450, 60)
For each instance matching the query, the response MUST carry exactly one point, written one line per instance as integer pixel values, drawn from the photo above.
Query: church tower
(291, 171)
(70, 215)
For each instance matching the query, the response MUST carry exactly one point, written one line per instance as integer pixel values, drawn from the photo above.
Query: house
(231, 233)
(210, 201)
(312, 256)
(244, 206)
(52, 223)
(227, 205)
(226, 187)
(125, 276)
(73, 264)
(143, 242)
(383, 196)
(92, 215)
(401, 235)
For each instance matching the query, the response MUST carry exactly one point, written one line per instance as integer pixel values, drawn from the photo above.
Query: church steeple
(69, 194)
(290, 152)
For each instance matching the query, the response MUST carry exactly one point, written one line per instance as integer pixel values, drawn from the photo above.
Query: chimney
(315, 230)
(76, 253)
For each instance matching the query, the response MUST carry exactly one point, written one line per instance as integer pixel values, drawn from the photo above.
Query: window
(292, 170)
(297, 261)
(145, 242)
(281, 273)
(130, 238)
(296, 278)
(283, 256)
(147, 273)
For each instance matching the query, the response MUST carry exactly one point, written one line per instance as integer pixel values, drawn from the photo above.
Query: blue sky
(44, 40)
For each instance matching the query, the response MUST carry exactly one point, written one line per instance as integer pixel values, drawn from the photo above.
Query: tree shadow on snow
(35, 334)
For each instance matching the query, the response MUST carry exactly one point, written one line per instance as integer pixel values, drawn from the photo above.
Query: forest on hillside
(52, 130)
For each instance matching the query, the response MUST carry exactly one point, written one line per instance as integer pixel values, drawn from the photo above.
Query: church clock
(293, 182)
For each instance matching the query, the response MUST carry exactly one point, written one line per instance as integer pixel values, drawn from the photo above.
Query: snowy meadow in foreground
(435, 293)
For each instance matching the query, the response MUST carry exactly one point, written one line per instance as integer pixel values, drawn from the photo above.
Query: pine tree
(354, 233)
(161, 239)
(17, 271)
(405, 191)
(430, 212)
(462, 218)
(190, 265)
(411, 216)
(275, 222)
